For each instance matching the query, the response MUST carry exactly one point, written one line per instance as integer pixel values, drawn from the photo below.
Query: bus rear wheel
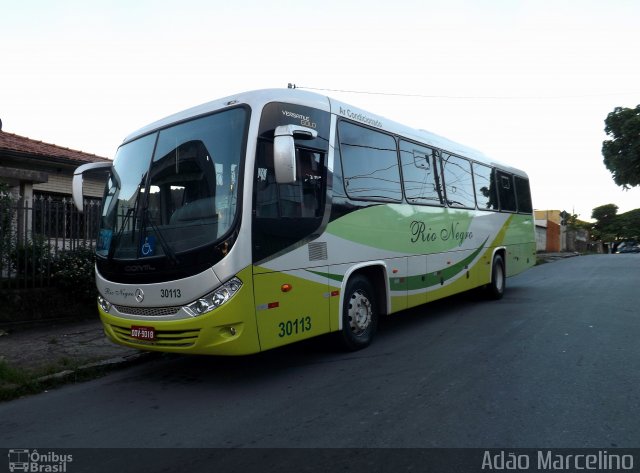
(495, 289)
(359, 314)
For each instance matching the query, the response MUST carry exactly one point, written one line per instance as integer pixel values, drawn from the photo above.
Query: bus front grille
(147, 311)
(163, 338)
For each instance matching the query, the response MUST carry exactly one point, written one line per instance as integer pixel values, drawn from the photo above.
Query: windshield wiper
(116, 239)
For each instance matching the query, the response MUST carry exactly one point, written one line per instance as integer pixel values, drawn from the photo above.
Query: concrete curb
(109, 364)
(556, 256)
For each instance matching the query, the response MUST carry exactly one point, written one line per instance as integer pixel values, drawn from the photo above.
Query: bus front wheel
(496, 287)
(359, 314)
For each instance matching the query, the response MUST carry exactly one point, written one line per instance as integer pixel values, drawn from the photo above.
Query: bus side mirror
(284, 151)
(76, 184)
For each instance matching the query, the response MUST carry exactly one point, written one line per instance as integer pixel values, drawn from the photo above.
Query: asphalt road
(555, 364)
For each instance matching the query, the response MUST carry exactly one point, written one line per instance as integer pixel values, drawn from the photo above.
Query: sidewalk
(51, 352)
(548, 257)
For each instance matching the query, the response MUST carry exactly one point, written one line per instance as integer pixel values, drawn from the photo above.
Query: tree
(629, 225)
(7, 233)
(622, 152)
(610, 226)
(605, 214)
(605, 227)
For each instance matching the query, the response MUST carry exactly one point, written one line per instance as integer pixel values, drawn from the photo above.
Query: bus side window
(369, 164)
(419, 174)
(506, 192)
(302, 199)
(458, 182)
(285, 214)
(486, 194)
(310, 176)
(266, 189)
(523, 195)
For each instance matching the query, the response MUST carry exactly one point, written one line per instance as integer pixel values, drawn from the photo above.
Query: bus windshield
(173, 190)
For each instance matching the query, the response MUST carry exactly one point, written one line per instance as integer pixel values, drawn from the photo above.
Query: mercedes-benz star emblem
(139, 295)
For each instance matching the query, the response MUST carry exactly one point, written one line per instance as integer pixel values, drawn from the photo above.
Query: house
(39, 177)
(541, 235)
(555, 234)
(549, 235)
(35, 169)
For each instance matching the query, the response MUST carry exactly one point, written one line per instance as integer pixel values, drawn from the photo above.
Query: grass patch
(9, 374)
(16, 382)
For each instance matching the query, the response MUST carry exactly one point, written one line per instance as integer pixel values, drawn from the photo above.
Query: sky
(528, 83)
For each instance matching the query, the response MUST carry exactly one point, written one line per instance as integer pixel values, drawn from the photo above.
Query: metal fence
(33, 232)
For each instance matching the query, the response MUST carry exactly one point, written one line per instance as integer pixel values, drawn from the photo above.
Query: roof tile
(16, 143)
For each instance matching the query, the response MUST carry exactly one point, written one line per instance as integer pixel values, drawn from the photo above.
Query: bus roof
(257, 99)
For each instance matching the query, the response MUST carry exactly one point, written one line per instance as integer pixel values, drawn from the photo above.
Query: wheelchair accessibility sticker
(148, 248)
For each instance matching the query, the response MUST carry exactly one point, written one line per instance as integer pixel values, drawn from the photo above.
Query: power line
(463, 97)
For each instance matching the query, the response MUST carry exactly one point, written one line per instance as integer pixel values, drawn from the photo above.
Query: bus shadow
(292, 359)
(432, 312)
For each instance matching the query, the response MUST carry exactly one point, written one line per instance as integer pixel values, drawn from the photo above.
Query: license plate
(143, 333)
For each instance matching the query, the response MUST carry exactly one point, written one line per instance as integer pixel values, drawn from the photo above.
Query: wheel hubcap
(359, 312)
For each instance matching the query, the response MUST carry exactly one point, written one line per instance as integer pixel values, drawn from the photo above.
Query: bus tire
(359, 314)
(495, 289)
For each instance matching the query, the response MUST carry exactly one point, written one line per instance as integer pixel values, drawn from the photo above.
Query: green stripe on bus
(437, 277)
(334, 277)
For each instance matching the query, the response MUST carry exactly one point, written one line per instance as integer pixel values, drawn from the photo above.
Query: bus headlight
(214, 299)
(104, 304)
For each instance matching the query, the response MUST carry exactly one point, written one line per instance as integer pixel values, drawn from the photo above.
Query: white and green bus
(273, 216)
